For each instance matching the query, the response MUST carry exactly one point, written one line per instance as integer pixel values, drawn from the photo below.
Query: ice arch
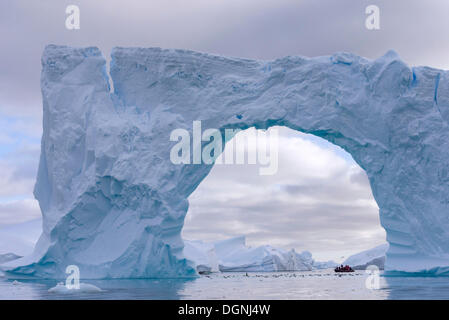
(114, 204)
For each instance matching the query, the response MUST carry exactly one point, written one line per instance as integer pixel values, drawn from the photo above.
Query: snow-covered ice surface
(114, 204)
(320, 284)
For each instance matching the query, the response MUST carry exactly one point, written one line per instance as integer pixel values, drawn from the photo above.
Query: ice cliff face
(114, 204)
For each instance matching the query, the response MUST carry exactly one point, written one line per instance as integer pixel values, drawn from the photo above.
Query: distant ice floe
(232, 255)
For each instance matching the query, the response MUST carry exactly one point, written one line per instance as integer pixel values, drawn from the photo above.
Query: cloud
(18, 131)
(5, 138)
(14, 212)
(15, 182)
(19, 157)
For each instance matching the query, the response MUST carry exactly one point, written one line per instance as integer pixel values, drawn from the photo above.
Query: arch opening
(318, 200)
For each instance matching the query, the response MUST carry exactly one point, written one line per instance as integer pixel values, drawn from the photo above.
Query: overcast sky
(326, 208)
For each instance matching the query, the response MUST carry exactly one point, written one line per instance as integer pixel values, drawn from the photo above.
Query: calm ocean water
(323, 284)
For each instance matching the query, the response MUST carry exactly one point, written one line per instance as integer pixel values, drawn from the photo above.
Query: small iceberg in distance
(233, 255)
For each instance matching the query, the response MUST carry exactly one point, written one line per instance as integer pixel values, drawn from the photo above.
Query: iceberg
(202, 254)
(232, 255)
(374, 256)
(114, 204)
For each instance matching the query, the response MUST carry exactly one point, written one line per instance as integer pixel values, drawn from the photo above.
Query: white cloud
(19, 211)
(19, 158)
(18, 171)
(5, 138)
(9, 185)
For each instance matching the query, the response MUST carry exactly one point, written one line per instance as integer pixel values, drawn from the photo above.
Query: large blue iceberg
(114, 204)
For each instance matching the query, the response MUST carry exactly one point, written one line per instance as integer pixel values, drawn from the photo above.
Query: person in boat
(342, 268)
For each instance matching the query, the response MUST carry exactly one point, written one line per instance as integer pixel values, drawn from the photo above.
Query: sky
(306, 207)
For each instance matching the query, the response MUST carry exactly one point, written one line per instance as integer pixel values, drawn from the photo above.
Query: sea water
(322, 284)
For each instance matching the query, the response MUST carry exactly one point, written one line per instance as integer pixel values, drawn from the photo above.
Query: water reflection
(287, 285)
(400, 288)
(152, 289)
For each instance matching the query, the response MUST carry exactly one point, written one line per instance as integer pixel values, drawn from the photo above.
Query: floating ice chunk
(61, 288)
